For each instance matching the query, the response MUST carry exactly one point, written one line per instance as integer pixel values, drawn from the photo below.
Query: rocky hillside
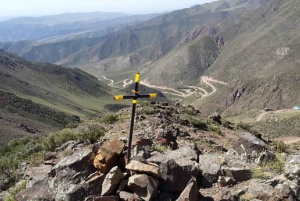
(40, 98)
(177, 155)
(140, 45)
(260, 59)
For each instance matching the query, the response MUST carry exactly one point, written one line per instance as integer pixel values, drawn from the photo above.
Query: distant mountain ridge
(136, 46)
(67, 26)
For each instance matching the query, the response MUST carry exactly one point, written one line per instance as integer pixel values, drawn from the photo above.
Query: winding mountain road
(185, 92)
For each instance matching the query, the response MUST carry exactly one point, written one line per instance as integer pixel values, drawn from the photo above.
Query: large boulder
(108, 155)
(66, 180)
(261, 191)
(248, 144)
(143, 186)
(177, 168)
(175, 175)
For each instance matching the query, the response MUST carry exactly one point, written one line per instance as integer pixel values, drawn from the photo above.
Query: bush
(92, 132)
(198, 124)
(109, 119)
(281, 147)
(214, 129)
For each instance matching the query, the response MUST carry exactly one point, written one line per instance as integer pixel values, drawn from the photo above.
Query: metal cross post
(134, 98)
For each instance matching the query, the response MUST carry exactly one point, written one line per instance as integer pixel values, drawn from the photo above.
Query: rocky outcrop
(249, 144)
(180, 174)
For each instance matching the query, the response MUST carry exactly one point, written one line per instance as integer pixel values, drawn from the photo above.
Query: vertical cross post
(134, 98)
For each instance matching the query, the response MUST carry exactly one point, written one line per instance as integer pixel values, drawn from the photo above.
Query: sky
(52, 7)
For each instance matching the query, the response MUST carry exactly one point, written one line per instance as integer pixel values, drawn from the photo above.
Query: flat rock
(150, 168)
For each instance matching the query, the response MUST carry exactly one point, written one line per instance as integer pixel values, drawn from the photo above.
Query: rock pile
(184, 171)
(176, 175)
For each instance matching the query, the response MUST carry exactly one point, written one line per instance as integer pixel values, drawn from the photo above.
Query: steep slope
(39, 98)
(260, 60)
(135, 46)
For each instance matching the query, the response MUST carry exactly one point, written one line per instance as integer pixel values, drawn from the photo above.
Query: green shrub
(91, 132)
(110, 118)
(214, 129)
(198, 124)
(281, 147)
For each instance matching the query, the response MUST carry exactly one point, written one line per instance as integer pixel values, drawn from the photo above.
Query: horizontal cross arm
(123, 97)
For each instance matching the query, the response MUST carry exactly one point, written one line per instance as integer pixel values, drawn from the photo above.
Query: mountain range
(248, 48)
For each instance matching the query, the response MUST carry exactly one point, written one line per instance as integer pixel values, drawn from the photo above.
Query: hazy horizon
(35, 8)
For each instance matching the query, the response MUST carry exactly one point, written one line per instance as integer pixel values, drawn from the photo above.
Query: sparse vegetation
(15, 190)
(109, 118)
(198, 123)
(33, 148)
(214, 129)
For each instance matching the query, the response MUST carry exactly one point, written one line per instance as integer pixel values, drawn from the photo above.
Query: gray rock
(283, 191)
(40, 190)
(65, 181)
(227, 196)
(260, 190)
(37, 174)
(143, 186)
(248, 143)
(210, 165)
(111, 181)
(187, 152)
(190, 192)
(237, 174)
(292, 165)
(175, 175)
(93, 185)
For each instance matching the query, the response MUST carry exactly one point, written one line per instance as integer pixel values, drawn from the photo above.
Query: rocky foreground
(168, 163)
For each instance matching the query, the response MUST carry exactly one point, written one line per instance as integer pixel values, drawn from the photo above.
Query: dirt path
(262, 115)
(185, 93)
(125, 83)
(289, 140)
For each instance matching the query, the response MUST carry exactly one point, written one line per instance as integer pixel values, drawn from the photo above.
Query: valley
(226, 75)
